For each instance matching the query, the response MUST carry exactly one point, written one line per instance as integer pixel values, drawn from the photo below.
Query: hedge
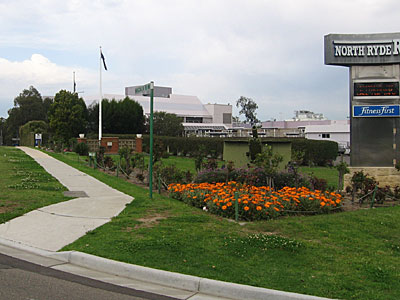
(188, 145)
(316, 152)
(27, 132)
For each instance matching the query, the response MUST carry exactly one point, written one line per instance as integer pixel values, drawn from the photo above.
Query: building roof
(204, 126)
(180, 105)
(333, 128)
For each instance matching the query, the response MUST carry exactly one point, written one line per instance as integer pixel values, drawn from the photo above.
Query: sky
(217, 50)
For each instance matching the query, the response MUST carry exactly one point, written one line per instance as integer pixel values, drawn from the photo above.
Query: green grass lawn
(349, 255)
(24, 185)
(331, 175)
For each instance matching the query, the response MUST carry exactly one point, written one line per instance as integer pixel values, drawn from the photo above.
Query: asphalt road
(21, 280)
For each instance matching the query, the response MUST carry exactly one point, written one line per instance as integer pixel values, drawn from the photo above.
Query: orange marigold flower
(246, 208)
(277, 209)
(224, 207)
(259, 208)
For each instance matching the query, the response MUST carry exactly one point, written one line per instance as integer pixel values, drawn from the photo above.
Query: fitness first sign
(362, 49)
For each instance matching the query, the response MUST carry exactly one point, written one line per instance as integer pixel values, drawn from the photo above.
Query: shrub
(82, 149)
(211, 176)
(282, 179)
(210, 164)
(255, 148)
(108, 162)
(170, 174)
(318, 183)
(251, 176)
(321, 153)
(125, 156)
(137, 161)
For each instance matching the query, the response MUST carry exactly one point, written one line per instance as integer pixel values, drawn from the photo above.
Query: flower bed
(254, 203)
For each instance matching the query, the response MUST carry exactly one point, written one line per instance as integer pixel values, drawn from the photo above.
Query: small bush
(211, 176)
(318, 183)
(170, 174)
(82, 149)
(283, 179)
(108, 162)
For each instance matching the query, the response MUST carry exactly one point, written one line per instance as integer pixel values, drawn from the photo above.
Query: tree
(28, 106)
(2, 130)
(67, 116)
(166, 124)
(248, 109)
(125, 116)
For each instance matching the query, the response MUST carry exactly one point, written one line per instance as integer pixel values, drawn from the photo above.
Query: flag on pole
(104, 61)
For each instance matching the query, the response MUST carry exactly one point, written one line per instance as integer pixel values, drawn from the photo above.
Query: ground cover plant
(350, 255)
(24, 185)
(254, 203)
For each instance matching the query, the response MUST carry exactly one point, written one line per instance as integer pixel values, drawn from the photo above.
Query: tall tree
(166, 124)
(125, 116)
(67, 116)
(248, 108)
(28, 106)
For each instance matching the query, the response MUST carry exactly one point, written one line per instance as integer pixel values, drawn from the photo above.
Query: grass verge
(25, 185)
(351, 255)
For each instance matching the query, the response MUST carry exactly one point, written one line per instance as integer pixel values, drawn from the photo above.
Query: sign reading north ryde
(376, 110)
(358, 49)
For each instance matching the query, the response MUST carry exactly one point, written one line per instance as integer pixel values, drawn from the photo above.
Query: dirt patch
(5, 209)
(150, 221)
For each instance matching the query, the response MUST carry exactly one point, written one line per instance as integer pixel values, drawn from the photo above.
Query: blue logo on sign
(376, 110)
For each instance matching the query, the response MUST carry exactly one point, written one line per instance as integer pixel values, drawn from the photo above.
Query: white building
(337, 132)
(198, 119)
(311, 126)
(306, 115)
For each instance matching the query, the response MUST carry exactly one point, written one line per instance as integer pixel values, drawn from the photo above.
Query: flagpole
(74, 84)
(101, 99)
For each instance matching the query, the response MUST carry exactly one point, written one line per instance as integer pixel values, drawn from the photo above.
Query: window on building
(194, 120)
(326, 135)
(226, 118)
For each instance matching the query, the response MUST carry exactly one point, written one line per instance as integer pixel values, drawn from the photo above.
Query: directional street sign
(138, 90)
(143, 88)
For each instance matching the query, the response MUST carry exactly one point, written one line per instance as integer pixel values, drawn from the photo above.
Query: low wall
(384, 175)
(112, 144)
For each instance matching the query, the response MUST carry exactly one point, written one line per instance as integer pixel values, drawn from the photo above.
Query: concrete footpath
(37, 235)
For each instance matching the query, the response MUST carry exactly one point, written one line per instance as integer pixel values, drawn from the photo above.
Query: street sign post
(38, 139)
(144, 88)
(139, 89)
